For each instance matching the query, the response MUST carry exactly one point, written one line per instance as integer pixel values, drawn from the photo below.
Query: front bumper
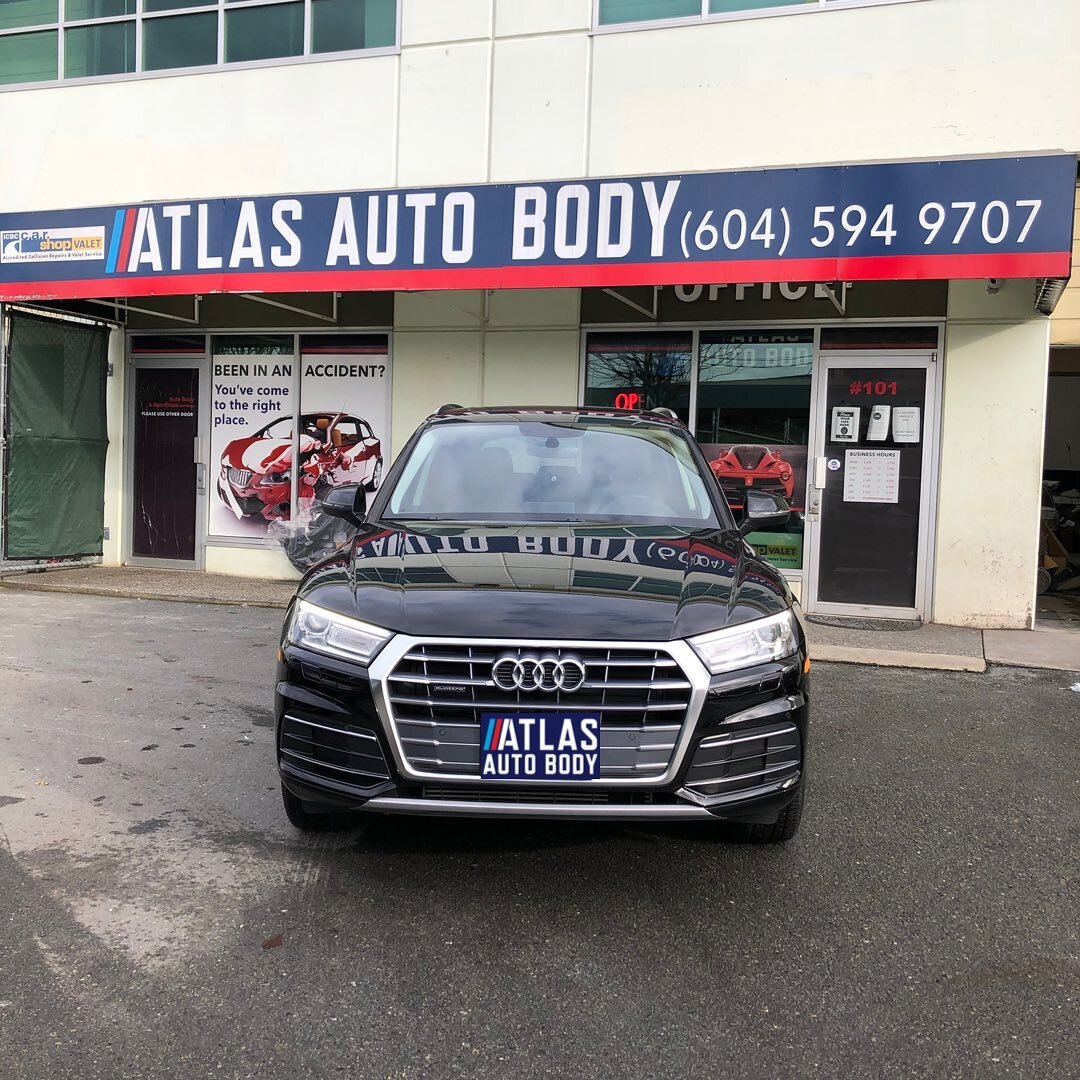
(740, 755)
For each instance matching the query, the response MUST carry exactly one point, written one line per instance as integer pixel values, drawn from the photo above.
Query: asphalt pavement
(159, 918)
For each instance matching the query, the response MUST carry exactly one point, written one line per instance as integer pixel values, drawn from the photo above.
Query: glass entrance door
(168, 476)
(868, 510)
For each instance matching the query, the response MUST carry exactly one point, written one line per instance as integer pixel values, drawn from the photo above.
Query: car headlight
(324, 631)
(275, 478)
(748, 644)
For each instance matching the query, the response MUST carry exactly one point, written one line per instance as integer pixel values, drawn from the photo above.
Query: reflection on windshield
(552, 472)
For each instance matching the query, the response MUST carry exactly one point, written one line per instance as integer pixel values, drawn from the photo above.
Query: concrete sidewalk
(140, 583)
(933, 647)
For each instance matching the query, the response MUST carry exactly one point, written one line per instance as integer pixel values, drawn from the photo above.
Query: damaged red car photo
(752, 466)
(335, 448)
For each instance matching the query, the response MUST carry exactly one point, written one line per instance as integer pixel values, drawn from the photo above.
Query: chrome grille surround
(653, 734)
(240, 477)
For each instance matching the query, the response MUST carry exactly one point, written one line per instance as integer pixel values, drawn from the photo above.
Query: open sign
(627, 401)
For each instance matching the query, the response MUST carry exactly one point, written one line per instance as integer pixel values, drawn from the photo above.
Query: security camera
(994, 284)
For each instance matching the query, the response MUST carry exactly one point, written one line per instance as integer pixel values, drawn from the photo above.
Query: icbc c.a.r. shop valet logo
(52, 245)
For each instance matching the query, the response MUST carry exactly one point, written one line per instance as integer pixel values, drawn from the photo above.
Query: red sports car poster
(780, 470)
(343, 427)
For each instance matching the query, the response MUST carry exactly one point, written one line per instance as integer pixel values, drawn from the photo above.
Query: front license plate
(539, 746)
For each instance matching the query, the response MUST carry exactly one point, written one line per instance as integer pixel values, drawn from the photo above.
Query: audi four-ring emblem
(544, 673)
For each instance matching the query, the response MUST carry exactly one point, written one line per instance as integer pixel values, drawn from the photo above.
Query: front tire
(302, 817)
(783, 828)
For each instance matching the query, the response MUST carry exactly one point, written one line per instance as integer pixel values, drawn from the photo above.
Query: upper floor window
(620, 12)
(45, 41)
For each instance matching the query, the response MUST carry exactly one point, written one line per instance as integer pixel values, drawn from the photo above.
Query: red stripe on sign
(873, 268)
(125, 243)
(498, 731)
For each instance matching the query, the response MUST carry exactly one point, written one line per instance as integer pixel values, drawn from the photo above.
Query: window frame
(758, 326)
(218, 7)
(735, 16)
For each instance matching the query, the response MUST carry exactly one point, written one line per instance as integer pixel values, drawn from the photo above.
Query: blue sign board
(992, 217)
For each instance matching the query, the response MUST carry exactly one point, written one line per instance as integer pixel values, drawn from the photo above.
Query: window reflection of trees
(662, 378)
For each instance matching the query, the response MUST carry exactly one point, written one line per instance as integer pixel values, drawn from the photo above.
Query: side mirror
(347, 501)
(763, 510)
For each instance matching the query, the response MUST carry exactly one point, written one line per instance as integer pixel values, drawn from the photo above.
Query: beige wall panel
(547, 308)
(901, 81)
(539, 108)
(439, 310)
(285, 129)
(426, 22)
(265, 562)
(116, 424)
(991, 442)
(513, 17)
(432, 368)
(443, 123)
(531, 367)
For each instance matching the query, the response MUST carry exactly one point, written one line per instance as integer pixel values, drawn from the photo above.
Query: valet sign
(995, 217)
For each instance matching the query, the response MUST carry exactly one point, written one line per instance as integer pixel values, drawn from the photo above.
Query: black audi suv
(546, 613)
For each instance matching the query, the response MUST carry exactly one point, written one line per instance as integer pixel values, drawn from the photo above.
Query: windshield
(582, 471)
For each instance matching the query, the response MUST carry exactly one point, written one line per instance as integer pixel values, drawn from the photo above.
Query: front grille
(342, 754)
(547, 797)
(240, 477)
(438, 692)
(737, 762)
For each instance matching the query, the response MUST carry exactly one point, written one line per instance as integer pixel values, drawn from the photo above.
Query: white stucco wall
(514, 348)
(261, 562)
(114, 457)
(518, 90)
(993, 413)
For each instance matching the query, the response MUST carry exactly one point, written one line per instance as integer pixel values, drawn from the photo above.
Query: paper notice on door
(872, 476)
(905, 424)
(845, 425)
(878, 431)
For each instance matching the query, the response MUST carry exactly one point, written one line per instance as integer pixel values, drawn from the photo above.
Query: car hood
(617, 584)
(264, 455)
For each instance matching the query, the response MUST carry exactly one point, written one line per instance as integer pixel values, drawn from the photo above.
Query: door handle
(200, 477)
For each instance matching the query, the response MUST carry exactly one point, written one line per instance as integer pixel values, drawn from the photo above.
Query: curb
(116, 594)
(845, 654)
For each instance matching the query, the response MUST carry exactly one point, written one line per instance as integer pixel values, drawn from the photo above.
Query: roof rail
(671, 414)
(445, 409)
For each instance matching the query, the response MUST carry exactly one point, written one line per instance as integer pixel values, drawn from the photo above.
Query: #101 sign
(992, 217)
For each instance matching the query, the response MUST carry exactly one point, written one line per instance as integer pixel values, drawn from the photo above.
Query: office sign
(994, 217)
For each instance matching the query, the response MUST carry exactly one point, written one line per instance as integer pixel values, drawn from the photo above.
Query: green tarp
(57, 438)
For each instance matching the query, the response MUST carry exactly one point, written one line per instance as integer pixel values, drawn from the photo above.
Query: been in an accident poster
(343, 422)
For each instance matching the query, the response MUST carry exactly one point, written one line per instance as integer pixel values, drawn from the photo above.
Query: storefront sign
(995, 217)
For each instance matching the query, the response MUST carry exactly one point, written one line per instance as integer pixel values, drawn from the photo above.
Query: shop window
(753, 421)
(21, 13)
(108, 49)
(628, 11)
(264, 33)
(180, 42)
(341, 435)
(97, 38)
(639, 371)
(726, 7)
(28, 57)
(618, 12)
(339, 25)
(81, 10)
